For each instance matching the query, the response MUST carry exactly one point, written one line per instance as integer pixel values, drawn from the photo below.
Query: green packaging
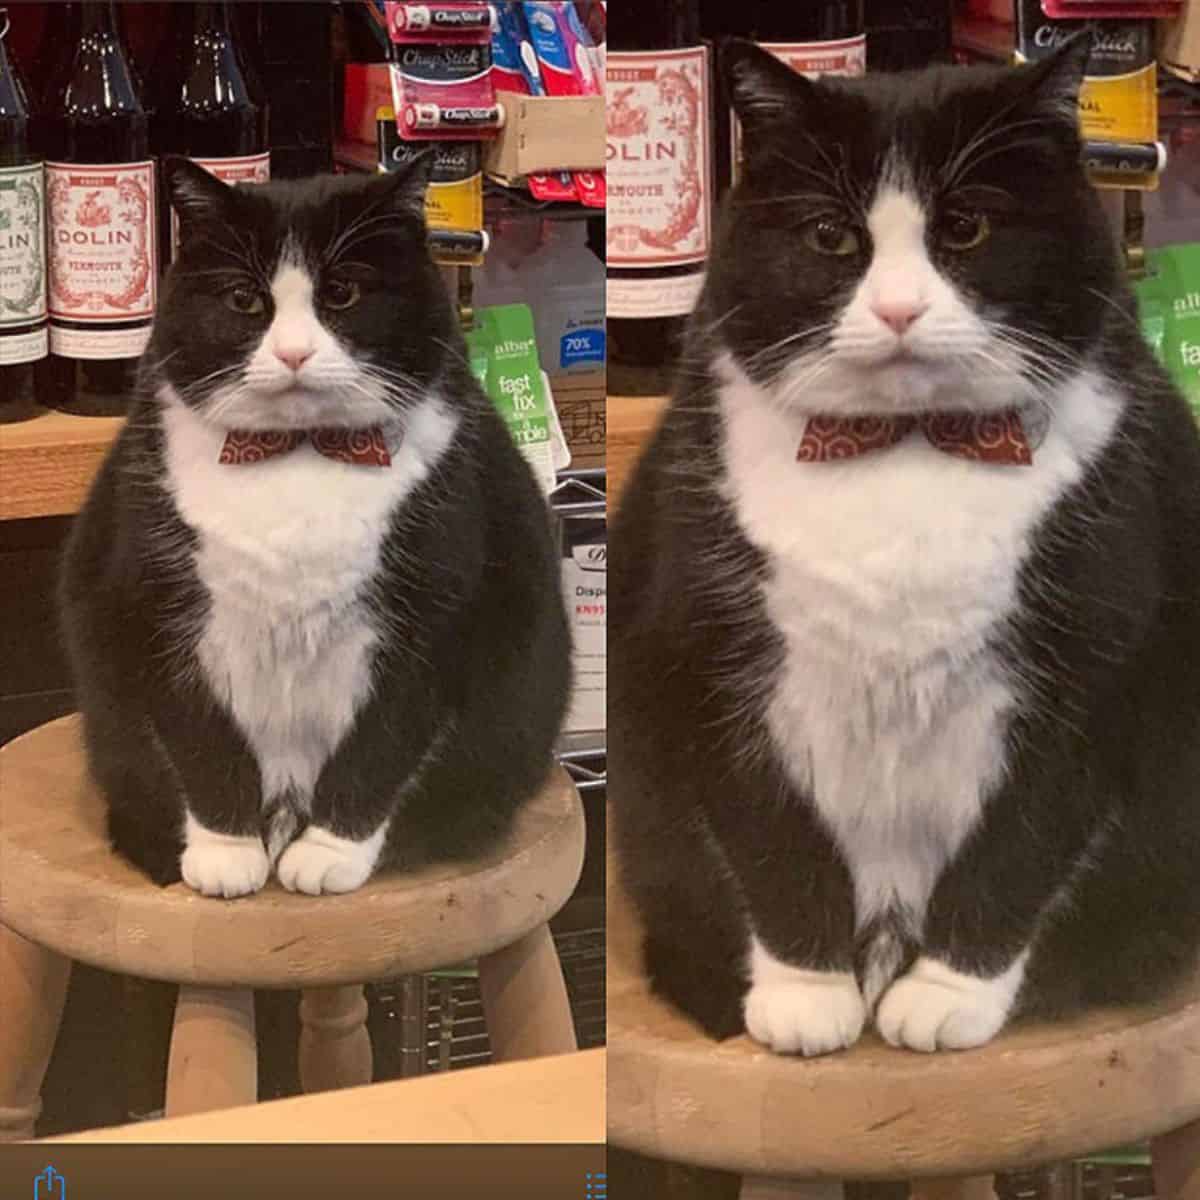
(504, 358)
(1169, 304)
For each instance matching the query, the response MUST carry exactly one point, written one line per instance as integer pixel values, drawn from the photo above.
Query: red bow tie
(987, 437)
(359, 447)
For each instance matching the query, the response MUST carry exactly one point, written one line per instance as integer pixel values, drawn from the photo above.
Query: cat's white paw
(319, 861)
(218, 864)
(934, 1007)
(817, 1014)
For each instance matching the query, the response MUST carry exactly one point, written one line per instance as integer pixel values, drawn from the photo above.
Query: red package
(1085, 10)
(451, 21)
(442, 86)
(592, 188)
(558, 186)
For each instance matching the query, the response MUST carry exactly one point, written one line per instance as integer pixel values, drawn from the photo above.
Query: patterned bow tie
(987, 437)
(359, 447)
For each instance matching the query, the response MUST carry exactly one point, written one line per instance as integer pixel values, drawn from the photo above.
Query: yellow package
(1119, 100)
(455, 196)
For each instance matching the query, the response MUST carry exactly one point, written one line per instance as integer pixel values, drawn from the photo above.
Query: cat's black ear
(194, 193)
(762, 90)
(1053, 83)
(404, 190)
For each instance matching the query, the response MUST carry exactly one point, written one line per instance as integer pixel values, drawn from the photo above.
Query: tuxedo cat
(312, 602)
(905, 624)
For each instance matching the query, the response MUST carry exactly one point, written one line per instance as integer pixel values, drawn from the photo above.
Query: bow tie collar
(358, 447)
(982, 437)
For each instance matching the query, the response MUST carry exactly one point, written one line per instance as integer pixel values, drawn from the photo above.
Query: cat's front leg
(323, 861)
(801, 1010)
(225, 865)
(803, 997)
(982, 920)
(223, 852)
(355, 800)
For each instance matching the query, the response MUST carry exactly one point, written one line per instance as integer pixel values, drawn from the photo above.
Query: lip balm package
(442, 86)
(1118, 101)
(1088, 10)
(454, 198)
(563, 48)
(453, 20)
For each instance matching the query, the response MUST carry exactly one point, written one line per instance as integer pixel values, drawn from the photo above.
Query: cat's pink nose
(898, 315)
(293, 358)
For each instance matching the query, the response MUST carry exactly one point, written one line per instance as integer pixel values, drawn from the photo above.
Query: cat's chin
(903, 386)
(301, 409)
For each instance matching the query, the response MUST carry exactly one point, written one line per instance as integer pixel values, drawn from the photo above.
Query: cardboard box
(546, 133)
(582, 411)
(1179, 43)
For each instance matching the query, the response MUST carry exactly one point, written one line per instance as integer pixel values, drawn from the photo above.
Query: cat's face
(902, 243)
(304, 304)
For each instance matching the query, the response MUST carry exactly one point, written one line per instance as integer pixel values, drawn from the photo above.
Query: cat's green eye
(964, 230)
(340, 293)
(245, 300)
(828, 235)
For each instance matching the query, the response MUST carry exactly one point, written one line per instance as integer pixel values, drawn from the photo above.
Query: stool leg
(525, 999)
(214, 1056)
(965, 1187)
(335, 1047)
(761, 1187)
(33, 990)
(1177, 1163)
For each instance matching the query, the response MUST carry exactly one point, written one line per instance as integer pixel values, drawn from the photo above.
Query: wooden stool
(65, 895)
(947, 1121)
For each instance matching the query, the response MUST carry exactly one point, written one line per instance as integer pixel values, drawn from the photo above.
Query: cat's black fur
(1109, 624)
(473, 632)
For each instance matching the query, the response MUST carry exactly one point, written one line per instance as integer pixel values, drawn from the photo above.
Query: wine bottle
(825, 38)
(209, 104)
(23, 336)
(100, 189)
(905, 34)
(659, 155)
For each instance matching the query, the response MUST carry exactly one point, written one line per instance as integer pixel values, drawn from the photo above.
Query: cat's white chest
(888, 576)
(286, 550)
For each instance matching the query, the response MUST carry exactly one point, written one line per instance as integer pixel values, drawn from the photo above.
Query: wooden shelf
(631, 422)
(48, 462)
(555, 1100)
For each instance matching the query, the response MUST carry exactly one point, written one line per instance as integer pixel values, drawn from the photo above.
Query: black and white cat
(905, 624)
(312, 602)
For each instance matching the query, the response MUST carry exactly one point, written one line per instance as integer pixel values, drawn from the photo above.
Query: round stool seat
(1038, 1093)
(63, 887)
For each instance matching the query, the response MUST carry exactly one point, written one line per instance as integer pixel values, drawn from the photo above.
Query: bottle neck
(97, 17)
(212, 15)
(14, 101)
(663, 25)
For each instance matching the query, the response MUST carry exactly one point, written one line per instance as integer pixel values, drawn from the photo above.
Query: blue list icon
(49, 1185)
(596, 1183)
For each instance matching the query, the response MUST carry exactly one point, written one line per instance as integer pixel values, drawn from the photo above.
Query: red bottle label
(101, 256)
(246, 168)
(845, 56)
(658, 158)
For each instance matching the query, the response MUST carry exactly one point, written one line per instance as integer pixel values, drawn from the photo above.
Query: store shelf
(986, 39)
(631, 421)
(47, 463)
